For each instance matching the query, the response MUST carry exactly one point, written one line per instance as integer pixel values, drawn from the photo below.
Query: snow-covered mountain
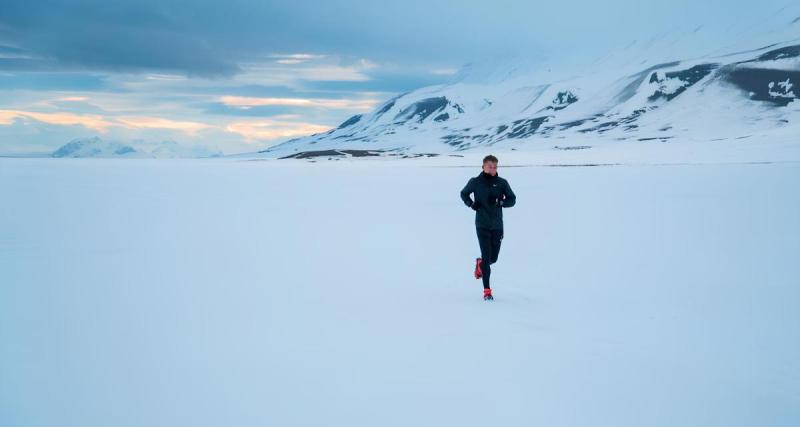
(171, 149)
(97, 147)
(645, 92)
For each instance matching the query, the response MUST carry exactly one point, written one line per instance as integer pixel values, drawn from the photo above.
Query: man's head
(490, 164)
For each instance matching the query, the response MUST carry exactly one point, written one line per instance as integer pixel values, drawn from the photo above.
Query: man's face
(490, 168)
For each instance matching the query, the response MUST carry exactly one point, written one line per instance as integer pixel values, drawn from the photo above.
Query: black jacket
(486, 188)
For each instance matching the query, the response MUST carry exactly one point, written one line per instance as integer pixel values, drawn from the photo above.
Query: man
(491, 194)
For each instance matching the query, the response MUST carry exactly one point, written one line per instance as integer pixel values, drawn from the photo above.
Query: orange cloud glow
(91, 121)
(161, 123)
(247, 102)
(270, 129)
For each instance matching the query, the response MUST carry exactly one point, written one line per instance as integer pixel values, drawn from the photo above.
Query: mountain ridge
(638, 93)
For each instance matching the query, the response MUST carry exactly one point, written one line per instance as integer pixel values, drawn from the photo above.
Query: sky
(240, 76)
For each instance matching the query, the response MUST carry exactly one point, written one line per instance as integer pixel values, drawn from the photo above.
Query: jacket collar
(485, 175)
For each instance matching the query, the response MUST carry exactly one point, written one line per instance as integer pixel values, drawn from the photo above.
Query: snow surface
(216, 292)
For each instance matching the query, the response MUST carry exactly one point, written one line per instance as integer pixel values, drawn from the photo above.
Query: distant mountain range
(97, 147)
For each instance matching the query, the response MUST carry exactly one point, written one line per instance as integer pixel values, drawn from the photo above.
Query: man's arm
(511, 198)
(466, 191)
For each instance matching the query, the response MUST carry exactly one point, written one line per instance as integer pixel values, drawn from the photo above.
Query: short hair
(489, 158)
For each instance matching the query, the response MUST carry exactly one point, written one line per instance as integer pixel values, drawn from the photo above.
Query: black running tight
(489, 240)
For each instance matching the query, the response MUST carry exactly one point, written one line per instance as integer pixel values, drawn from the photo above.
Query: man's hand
(497, 201)
(476, 205)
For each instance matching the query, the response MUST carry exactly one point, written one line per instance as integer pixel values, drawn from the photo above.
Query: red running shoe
(487, 294)
(478, 273)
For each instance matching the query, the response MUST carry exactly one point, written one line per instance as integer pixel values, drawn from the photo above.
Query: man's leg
(485, 242)
(497, 239)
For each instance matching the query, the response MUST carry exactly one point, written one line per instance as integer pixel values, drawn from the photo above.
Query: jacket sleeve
(467, 190)
(511, 198)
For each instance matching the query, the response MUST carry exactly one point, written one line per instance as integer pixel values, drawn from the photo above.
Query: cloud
(53, 81)
(269, 73)
(101, 123)
(190, 128)
(295, 58)
(167, 77)
(273, 129)
(73, 98)
(13, 52)
(351, 74)
(246, 102)
(444, 71)
(211, 39)
(91, 121)
(380, 80)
